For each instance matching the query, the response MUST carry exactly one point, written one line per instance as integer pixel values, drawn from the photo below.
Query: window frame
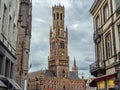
(62, 44)
(57, 16)
(97, 22)
(106, 12)
(108, 45)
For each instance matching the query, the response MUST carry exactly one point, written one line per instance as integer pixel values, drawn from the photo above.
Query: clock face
(62, 53)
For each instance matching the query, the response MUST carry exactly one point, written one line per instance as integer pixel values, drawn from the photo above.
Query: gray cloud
(80, 27)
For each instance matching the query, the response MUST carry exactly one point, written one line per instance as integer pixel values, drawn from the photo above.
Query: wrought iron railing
(96, 65)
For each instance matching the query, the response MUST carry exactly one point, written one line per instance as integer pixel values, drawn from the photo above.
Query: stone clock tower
(58, 60)
(57, 76)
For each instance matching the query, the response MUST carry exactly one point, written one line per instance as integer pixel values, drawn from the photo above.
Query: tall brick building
(23, 41)
(58, 76)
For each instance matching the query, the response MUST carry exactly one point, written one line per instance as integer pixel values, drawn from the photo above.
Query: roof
(49, 73)
(95, 6)
(73, 75)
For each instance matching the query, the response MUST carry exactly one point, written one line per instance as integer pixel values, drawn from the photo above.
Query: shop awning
(108, 76)
(93, 83)
(14, 84)
(2, 84)
(2, 77)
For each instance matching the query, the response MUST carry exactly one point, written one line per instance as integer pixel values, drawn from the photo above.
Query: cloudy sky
(80, 27)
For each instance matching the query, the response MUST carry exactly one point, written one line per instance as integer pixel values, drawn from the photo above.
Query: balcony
(97, 35)
(96, 68)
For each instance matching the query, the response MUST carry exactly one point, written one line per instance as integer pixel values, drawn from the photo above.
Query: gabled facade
(106, 18)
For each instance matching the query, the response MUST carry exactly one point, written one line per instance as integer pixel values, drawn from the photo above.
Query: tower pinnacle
(75, 69)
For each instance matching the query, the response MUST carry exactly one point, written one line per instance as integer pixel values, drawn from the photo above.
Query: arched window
(53, 45)
(62, 44)
(57, 15)
(54, 16)
(64, 88)
(63, 73)
(61, 16)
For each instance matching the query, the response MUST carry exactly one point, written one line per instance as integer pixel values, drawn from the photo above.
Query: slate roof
(73, 75)
(49, 73)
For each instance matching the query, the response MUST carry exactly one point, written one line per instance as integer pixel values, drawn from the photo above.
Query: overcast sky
(80, 27)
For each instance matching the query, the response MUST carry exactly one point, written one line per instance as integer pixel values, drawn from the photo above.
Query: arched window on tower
(62, 44)
(57, 15)
(61, 16)
(54, 16)
(64, 88)
(53, 45)
(63, 73)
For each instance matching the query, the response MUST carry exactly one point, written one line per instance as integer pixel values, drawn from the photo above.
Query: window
(62, 44)
(117, 6)
(57, 15)
(11, 73)
(54, 16)
(119, 32)
(4, 18)
(7, 68)
(53, 45)
(97, 22)
(1, 64)
(108, 46)
(63, 73)
(99, 56)
(9, 27)
(61, 16)
(105, 12)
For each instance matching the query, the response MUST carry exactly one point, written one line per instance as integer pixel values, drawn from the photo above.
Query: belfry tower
(58, 60)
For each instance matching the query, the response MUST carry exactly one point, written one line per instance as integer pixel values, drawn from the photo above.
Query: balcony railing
(97, 67)
(97, 34)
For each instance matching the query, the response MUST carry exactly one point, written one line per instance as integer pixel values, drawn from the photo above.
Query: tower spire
(74, 62)
(75, 69)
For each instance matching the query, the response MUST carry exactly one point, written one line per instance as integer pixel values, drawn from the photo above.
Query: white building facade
(9, 12)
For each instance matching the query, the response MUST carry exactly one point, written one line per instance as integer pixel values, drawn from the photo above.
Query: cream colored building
(58, 76)
(9, 12)
(106, 18)
(23, 42)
